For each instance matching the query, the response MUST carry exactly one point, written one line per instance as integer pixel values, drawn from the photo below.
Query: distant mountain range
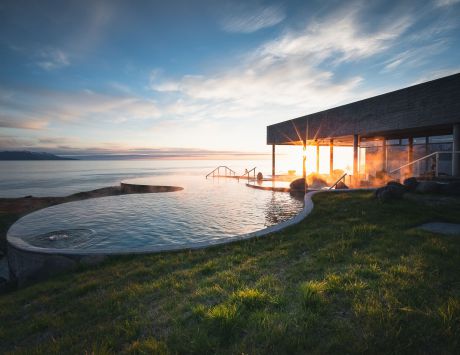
(26, 155)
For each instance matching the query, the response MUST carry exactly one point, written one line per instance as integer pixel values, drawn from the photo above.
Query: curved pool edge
(129, 188)
(27, 262)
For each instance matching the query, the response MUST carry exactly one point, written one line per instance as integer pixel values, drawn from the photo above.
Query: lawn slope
(355, 276)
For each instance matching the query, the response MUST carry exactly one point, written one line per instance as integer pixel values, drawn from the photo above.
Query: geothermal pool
(204, 212)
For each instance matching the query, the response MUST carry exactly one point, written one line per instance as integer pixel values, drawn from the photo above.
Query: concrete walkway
(441, 228)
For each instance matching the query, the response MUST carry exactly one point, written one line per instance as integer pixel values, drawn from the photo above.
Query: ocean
(61, 178)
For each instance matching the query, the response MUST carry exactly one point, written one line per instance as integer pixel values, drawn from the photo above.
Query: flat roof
(430, 108)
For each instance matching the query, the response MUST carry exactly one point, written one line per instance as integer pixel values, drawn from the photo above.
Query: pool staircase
(227, 172)
(248, 173)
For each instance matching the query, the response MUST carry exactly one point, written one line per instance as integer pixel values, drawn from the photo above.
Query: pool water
(206, 211)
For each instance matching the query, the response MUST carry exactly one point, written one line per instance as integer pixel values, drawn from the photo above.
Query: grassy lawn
(355, 276)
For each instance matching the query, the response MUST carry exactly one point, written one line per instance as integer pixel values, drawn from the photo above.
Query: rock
(396, 190)
(451, 188)
(397, 185)
(317, 182)
(385, 195)
(298, 185)
(378, 191)
(427, 187)
(341, 186)
(410, 183)
(392, 191)
(6, 285)
(260, 177)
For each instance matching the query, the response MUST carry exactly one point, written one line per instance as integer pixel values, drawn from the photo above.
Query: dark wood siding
(427, 108)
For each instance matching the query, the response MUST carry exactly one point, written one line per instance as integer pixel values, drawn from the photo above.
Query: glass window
(393, 142)
(441, 139)
(420, 140)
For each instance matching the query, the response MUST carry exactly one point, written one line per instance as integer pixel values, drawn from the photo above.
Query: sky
(197, 77)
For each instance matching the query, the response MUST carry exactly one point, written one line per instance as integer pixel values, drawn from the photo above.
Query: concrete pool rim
(20, 244)
(29, 262)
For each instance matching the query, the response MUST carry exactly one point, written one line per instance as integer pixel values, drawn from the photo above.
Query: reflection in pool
(204, 212)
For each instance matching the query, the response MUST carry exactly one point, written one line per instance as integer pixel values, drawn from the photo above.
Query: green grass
(354, 277)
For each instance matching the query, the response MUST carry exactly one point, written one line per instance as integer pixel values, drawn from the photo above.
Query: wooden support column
(355, 157)
(273, 161)
(304, 160)
(317, 157)
(331, 157)
(384, 155)
(410, 155)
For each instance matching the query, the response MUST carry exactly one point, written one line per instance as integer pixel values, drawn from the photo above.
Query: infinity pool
(205, 212)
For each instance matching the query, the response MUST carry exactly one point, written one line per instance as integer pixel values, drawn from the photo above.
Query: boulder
(341, 186)
(427, 187)
(451, 188)
(410, 183)
(317, 182)
(397, 190)
(298, 185)
(379, 191)
(385, 195)
(392, 191)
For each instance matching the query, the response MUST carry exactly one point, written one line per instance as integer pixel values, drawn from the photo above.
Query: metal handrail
(232, 172)
(424, 158)
(340, 179)
(247, 173)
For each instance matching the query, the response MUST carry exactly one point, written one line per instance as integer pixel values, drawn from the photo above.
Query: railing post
(355, 158)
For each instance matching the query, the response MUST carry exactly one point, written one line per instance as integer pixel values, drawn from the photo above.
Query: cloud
(245, 18)
(443, 3)
(436, 74)
(72, 147)
(300, 71)
(414, 57)
(8, 142)
(284, 76)
(339, 36)
(14, 123)
(51, 59)
(34, 108)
